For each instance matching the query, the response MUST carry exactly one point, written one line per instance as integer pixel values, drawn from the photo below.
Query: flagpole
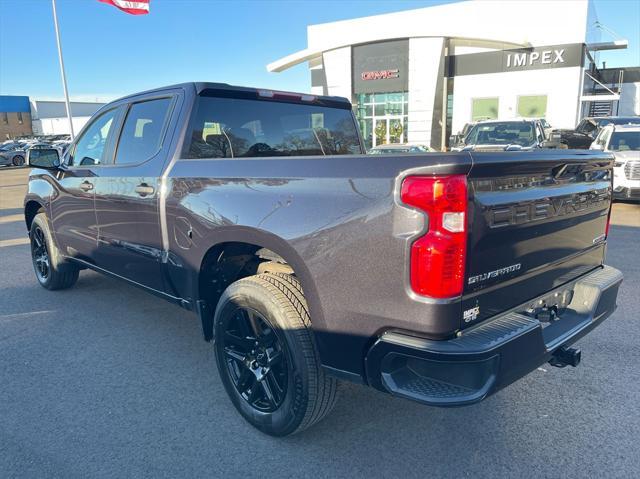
(64, 76)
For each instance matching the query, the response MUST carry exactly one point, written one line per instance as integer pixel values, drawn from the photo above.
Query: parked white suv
(624, 142)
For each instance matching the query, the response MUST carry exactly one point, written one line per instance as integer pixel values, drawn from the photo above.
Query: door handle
(144, 189)
(86, 186)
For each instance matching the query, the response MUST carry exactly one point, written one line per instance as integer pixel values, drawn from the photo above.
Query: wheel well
(226, 263)
(31, 209)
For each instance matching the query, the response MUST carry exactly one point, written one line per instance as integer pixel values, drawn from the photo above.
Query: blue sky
(109, 53)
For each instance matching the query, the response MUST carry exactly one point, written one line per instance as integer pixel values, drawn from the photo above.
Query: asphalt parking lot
(104, 380)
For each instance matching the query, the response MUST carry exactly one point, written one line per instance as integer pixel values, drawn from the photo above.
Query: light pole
(64, 76)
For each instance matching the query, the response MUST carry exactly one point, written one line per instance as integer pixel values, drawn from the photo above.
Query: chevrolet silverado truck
(436, 277)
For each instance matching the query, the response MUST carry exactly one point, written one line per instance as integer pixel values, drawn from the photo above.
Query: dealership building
(420, 75)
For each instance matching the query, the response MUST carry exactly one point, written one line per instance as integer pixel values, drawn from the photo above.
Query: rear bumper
(492, 355)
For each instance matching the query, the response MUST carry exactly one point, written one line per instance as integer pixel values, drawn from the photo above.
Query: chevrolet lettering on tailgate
(520, 213)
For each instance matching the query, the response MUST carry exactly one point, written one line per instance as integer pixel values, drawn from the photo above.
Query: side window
(248, 128)
(141, 135)
(92, 147)
(600, 139)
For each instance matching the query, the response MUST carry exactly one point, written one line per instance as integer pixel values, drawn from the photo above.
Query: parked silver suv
(624, 142)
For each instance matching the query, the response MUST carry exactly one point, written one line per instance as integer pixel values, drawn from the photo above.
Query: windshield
(618, 121)
(502, 133)
(586, 126)
(625, 141)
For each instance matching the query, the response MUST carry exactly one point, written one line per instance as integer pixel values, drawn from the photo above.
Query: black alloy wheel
(18, 160)
(266, 355)
(255, 359)
(40, 255)
(51, 270)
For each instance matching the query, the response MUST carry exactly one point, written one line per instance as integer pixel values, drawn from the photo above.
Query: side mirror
(596, 146)
(553, 144)
(47, 158)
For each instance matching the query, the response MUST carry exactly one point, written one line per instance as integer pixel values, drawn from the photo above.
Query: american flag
(137, 7)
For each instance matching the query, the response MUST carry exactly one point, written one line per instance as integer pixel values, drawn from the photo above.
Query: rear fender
(280, 247)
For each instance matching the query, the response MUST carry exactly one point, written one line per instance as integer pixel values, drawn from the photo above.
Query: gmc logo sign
(380, 75)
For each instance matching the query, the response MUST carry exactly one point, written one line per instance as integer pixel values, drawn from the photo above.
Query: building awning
(516, 24)
(292, 60)
(614, 45)
(612, 97)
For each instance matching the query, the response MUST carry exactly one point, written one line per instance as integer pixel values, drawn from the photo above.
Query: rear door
(128, 191)
(537, 220)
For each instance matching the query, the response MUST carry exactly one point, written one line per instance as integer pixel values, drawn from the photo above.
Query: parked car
(436, 277)
(456, 142)
(11, 154)
(509, 135)
(399, 148)
(624, 142)
(587, 130)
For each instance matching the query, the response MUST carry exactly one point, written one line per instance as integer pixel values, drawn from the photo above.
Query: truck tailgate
(537, 220)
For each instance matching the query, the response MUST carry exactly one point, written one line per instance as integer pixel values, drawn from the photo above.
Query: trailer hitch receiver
(566, 357)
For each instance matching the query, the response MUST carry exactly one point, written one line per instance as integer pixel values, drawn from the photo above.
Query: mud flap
(205, 313)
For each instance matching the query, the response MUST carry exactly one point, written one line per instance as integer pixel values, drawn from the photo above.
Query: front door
(127, 196)
(389, 129)
(72, 207)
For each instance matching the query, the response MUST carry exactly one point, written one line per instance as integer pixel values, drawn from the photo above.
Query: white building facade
(421, 75)
(50, 117)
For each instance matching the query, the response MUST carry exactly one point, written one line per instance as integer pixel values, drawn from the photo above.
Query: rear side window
(141, 135)
(233, 128)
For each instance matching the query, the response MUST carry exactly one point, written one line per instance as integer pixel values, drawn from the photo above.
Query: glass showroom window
(532, 106)
(484, 109)
(383, 117)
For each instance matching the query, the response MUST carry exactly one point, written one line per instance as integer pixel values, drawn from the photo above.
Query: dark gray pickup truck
(440, 278)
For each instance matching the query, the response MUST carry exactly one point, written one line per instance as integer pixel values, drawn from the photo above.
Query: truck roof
(627, 127)
(203, 87)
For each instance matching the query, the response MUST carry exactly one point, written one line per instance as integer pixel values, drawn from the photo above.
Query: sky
(108, 53)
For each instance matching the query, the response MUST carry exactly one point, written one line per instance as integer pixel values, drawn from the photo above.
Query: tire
(280, 331)
(51, 272)
(18, 160)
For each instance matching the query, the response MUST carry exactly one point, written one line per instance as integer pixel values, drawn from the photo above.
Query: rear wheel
(18, 160)
(266, 355)
(50, 271)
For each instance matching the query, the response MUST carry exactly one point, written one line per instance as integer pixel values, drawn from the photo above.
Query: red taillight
(438, 257)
